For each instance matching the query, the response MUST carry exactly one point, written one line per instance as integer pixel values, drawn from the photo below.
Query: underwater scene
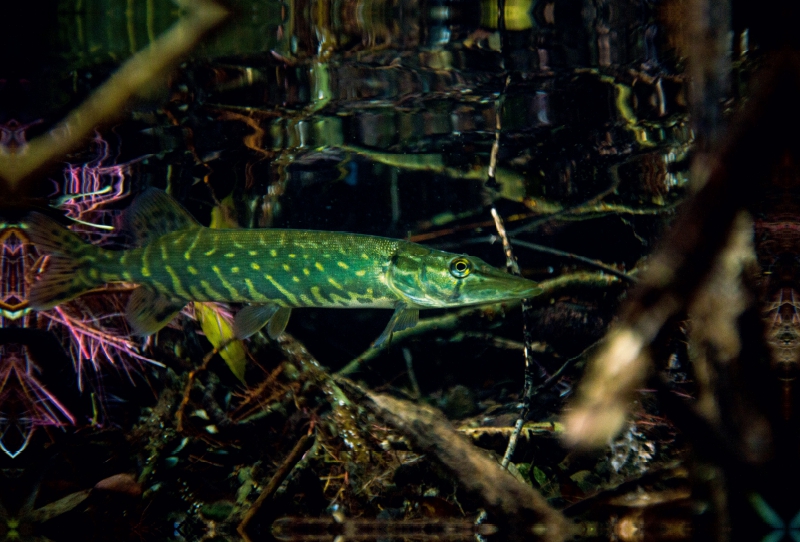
(350, 270)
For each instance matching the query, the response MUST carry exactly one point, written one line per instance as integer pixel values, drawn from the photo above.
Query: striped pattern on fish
(178, 261)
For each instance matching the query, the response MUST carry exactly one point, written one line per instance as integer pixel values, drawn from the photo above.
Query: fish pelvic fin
(66, 273)
(252, 318)
(404, 317)
(147, 311)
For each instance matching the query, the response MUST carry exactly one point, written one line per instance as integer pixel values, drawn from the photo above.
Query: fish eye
(460, 267)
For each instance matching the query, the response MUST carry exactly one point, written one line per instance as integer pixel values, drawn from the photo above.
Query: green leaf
(539, 476)
(217, 511)
(219, 332)
(525, 470)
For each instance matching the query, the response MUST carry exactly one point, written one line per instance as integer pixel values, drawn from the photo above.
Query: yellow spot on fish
(289, 296)
(255, 266)
(176, 282)
(273, 252)
(306, 272)
(234, 269)
(343, 265)
(361, 272)
(363, 255)
(234, 294)
(93, 273)
(163, 288)
(253, 253)
(164, 254)
(293, 255)
(296, 279)
(307, 300)
(254, 294)
(188, 254)
(210, 252)
(319, 266)
(145, 261)
(191, 269)
(127, 276)
(237, 245)
(196, 293)
(335, 284)
(359, 298)
(318, 295)
(230, 255)
(210, 292)
(286, 267)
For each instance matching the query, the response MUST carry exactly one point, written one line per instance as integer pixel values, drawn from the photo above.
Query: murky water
(435, 122)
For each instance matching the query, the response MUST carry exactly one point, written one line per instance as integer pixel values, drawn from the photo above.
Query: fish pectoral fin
(278, 322)
(252, 318)
(403, 318)
(147, 312)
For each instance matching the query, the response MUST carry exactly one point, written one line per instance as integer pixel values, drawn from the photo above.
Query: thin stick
(583, 259)
(277, 479)
(190, 382)
(452, 320)
(513, 266)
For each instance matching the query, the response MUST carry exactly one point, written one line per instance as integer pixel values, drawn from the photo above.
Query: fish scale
(260, 266)
(179, 261)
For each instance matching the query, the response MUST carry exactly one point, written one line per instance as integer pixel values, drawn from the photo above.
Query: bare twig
(453, 319)
(570, 256)
(274, 483)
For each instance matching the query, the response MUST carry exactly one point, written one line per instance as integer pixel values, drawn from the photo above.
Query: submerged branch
(108, 101)
(519, 509)
(453, 319)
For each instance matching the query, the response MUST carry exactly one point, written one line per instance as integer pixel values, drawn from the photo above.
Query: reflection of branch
(574, 214)
(453, 319)
(108, 101)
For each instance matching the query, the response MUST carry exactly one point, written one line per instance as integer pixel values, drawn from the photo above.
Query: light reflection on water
(369, 117)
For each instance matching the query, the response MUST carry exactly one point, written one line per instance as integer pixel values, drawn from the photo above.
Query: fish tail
(69, 269)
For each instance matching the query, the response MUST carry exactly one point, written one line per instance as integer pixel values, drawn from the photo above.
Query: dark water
(372, 117)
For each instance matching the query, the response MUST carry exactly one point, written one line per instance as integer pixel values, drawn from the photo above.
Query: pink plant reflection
(91, 329)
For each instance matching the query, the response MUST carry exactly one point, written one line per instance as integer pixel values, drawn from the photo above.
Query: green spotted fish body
(178, 261)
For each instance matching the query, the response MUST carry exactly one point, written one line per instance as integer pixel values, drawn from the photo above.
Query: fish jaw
(493, 286)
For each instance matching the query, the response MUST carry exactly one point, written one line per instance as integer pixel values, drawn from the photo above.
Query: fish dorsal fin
(147, 312)
(252, 318)
(403, 318)
(278, 322)
(153, 214)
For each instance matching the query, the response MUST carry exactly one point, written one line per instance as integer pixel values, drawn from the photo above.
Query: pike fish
(177, 261)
